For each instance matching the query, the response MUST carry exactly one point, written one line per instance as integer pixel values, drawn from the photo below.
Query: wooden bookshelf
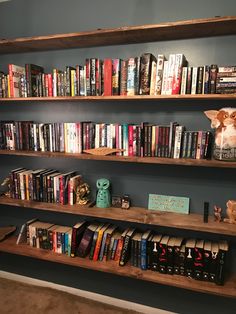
(195, 28)
(123, 98)
(134, 214)
(129, 159)
(228, 290)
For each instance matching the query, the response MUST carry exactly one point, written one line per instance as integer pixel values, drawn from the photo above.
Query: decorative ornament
(224, 121)
(217, 213)
(103, 151)
(231, 212)
(82, 193)
(103, 199)
(5, 187)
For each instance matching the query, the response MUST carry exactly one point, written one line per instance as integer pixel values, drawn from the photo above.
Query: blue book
(144, 239)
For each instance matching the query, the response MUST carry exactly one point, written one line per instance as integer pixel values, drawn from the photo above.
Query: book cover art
(32, 71)
(15, 73)
(148, 64)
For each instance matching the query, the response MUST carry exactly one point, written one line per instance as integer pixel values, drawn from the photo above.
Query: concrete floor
(21, 298)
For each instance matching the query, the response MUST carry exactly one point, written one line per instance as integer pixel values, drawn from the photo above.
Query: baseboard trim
(85, 294)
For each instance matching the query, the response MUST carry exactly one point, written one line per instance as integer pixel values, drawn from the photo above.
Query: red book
(131, 139)
(50, 84)
(107, 77)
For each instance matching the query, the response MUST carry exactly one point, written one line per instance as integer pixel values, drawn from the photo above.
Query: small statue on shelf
(217, 213)
(231, 212)
(103, 199)
(5, 187)
(82, 193)
(125, 202)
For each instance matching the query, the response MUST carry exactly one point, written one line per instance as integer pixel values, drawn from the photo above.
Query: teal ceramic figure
(103, 199)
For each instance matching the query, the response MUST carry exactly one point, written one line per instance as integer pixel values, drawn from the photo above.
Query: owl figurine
(103, 199)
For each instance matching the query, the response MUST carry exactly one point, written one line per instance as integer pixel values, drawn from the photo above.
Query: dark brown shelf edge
(193, 222)
(227, 290)
(123, 98)
(130, 159)
(195, 28)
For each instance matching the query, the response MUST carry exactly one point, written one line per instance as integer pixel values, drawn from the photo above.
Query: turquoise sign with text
(174, 204)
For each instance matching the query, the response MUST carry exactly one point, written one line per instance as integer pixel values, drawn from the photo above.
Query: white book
(165, 77)
(170, 76)
(184, 81)
(159, 73)
(194, 81)
(153, 78)
(178, 141)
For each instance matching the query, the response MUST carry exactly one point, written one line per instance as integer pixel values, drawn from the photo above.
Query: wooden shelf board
(195, 28)
(228, 290)
(134, 214)
(130, 159)
(123, 98)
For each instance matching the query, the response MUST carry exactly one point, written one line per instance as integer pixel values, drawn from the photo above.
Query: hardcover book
(106, 241)
(198, 262)
(15, 73)
(86, 241)
(148, 64)
(125, 252)
(32, 71)
(179, 255)
(99, 241)
(221, 267)
(170, 255)
(77, 234)
(155, 251)
(206, 261)
(214, 261)
(144, 242)
(189, 257)
(162, 255)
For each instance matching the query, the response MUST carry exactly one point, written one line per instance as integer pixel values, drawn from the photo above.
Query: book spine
(116, 64)
(123, 78)
(107, 77)
(93, 77)
(131, 69)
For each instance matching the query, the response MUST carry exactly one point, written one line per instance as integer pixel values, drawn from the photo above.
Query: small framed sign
(174, 204)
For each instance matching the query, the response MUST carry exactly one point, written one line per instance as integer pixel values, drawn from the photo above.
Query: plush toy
(231, 212)
(103, 199)
(224, 121)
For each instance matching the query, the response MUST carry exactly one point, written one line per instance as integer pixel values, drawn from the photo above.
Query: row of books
(44, 185)
(143, 140)
(196, 258)
(144, 75)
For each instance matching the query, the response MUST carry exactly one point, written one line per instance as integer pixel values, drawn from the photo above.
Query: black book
(198, 262)
(155, 251)
(206, 261)
(31, 72)
(77, 234)
(189, 257)
(86, 241)
(213, 75)
(220, 271)
(170, 255)
(214, 261)
(125, 252)
(146, 64)
(162, 255)
(179, 254)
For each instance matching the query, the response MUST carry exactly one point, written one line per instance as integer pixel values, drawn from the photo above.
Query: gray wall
(20, 18)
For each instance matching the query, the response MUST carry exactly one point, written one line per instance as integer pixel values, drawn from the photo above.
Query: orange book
(99, 242)
(120, 245)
